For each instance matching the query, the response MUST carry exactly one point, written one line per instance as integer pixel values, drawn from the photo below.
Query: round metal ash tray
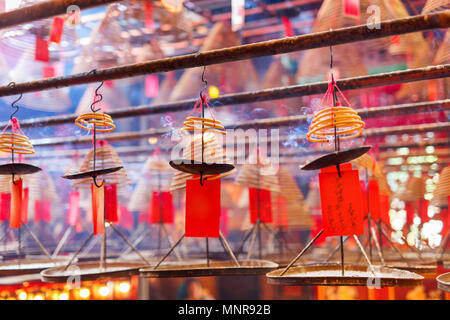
(216, 268)
(335, 158)
(330, 275)
(443, 282)
(91, 174)
(198, 167)
(91, 271)
(29, 266)
(18, 169)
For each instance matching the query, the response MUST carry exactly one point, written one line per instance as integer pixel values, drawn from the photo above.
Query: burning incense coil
(193, 124)
(340, 121)
(442, 191)
(15, 143)
(100, 122)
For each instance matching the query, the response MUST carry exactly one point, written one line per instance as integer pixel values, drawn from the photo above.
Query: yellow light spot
(124, 287)
(85, 293)
(104, 291)
(213, 92)
(152, 140)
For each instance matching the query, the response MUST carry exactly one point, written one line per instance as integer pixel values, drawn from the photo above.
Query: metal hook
(13, 105)
(96, 94)
(95, 182)
(205, 82)
(201, 178)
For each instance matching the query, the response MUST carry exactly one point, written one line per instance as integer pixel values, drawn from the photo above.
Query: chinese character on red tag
(202, 208)
(260, 205)
(341, 201)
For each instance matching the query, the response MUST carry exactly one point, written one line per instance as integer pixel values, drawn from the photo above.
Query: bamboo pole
(46, 9)
(382, 79)
(242, 52)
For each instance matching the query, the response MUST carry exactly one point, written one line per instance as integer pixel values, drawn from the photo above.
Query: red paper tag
(423, 210)
(385, 206)
(37, 210)
(365, 209)
(74, 208)
(149, 24)
(202, 208)
(374, 199)
(41, 52)
(25, 198)
(98, 208)
(151, 86)
(126, 218)
(111, 203)
(56, 30)
(351, 8)
(46, 211)
(16, 204)
(154, 208)
(280, 218)
(409, 208)
(288, 31)
(224, 221)
(48, 71)
(5, 206)
(142, 217)
(341, 202)
(260, 205)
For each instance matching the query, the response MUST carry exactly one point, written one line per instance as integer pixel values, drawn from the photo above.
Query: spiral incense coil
(346, 121)
(101, 122)
(203, 124)
(15, 143)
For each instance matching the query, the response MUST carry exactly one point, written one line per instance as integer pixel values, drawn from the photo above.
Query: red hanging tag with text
(111, 203)
(154, 209)
(41, 52)
(98, 208)
(423, 210)
(374, 199)
(15, 220)
(288, 31)
(168, 211)
(260, 205)
(151, 86)
(46, 211)
(341, 201)
(126, 218)
(5, 206)
(24, 211)
(224, 221)
(202, 208)
(385, 206)
(280, 218)
(56, 30)
(409, 208)
(37, 211)
(351, 8)
(74, 208)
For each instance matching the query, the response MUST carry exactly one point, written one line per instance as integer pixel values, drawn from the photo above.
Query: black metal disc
(18, 169)
(92, 173)
(335, 158)
(197, 167)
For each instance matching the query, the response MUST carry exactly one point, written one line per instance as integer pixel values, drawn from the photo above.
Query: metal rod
(342, 254)
(124, 238)
(395, 247)
(46, 9)
(169, 239)
(63, 241)
(78, 251)
(404, 76)
(252, 243)
(20, 246)
(364, 253)
(103, 256)
(228, 249)
(336, 249)
(207, 252)
(243, 52)
(380, 253)
(247, 235)
(38, 242)
(310, 243)
(169, 252)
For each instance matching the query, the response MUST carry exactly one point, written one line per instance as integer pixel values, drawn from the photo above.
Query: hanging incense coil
(213, 153)
(198, 124)
(100, 122)
(414, 189)
(435, 5)
(344, 120)
(15, 143)
(258, 173)
(443, 54)
(442, 192)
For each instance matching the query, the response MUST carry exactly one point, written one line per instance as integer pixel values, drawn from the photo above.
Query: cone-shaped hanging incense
(441, 193)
